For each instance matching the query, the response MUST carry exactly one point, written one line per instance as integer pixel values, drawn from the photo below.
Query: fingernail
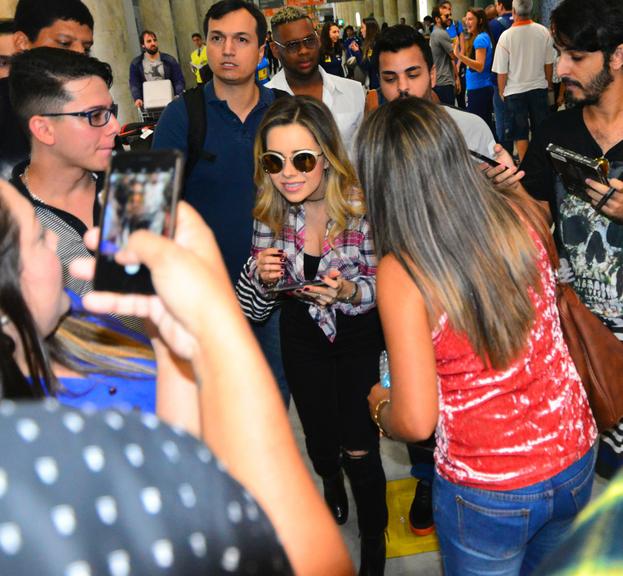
(306, 289)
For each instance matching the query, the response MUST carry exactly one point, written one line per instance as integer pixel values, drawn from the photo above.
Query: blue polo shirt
(222, 189)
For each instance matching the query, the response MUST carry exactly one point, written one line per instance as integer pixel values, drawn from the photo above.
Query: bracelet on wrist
(353, 295)
(376, 416)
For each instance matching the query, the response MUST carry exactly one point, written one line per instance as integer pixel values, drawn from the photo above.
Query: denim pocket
(497, 532)
(582, 492)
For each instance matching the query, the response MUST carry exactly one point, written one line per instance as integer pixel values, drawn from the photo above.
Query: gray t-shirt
(153, 69)
(441, 46)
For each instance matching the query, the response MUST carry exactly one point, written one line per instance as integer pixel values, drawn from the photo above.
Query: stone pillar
(7, 8)
(156, 15)
(406, 11)
(390, 9)
(185, 22)
(379, 11)
(202, 8)
(111, 43)
(368, 8)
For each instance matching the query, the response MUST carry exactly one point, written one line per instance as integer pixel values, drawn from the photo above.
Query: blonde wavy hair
(343, 197)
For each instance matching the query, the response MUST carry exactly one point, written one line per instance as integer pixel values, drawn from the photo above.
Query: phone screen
(141, 192)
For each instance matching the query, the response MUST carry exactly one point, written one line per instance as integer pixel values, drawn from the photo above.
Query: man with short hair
(63, 100)
(296, 45)
(443, 58)
(496, 26)
(199, 60)
(406, 69)
(7, 45)
(220, 184)
(523, 63)
(57, 23)
(153, 65)
(589, 38)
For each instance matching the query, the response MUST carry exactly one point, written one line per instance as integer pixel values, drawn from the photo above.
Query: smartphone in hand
(294, 286)
(141, 192)
(493, 163)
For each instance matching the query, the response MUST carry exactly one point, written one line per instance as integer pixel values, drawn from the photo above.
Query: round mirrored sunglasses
(303, 161)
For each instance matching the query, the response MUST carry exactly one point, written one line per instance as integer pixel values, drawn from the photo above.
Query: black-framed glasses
(303, 161)
(295, 45)
(97, 117)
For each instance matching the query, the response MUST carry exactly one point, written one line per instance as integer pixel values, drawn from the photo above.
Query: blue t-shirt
(221, 189)
(136, 391)
(455, 29)
(476, 80)
(261, 72)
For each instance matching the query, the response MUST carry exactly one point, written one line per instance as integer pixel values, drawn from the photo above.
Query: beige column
(185, 23)
(156, 15)
(390, 9)
(7, 8)
(379, 11)
(368, 8)
(111, 43)
(405, 10)
(459, 8)
(202, 8)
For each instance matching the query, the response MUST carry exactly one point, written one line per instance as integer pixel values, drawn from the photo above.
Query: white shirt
(345, 98)
(477, 134)
(521, 53)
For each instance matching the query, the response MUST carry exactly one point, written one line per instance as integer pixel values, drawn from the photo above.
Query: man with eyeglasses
(64, 24)
(63, 100)
(296, 45)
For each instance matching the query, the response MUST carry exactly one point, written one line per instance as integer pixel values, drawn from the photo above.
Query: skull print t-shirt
(589, 242)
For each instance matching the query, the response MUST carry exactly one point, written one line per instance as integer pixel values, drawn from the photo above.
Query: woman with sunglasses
(310, 225)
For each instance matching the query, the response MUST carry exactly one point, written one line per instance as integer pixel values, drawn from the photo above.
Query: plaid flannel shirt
(352, 254)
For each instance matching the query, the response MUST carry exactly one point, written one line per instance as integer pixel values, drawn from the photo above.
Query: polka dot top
(85, 493)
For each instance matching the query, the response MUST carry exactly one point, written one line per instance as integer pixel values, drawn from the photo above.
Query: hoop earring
(4, 320)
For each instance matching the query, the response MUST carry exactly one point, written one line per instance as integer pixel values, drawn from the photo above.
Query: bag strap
(197, 128)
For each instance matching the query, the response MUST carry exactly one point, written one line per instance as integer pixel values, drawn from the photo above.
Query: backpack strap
(197, 128)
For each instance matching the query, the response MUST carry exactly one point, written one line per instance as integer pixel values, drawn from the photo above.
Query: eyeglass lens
(102, 116)
(295, 45)
(302, 161)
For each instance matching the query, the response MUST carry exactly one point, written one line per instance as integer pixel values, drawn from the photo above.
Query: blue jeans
(504, 533)
(267, 334)
(499, 108)
(445, 94)
(480, 102)
(520, 108)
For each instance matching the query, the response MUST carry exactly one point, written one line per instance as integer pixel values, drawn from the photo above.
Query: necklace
(27, 184)
(315, 199)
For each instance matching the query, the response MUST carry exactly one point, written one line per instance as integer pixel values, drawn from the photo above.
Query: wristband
(376, 416)
(350, 298)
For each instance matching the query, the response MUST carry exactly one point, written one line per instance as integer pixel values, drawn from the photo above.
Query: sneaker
(421, 511)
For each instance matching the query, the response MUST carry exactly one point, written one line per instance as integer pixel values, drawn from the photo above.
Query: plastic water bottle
(384, 370)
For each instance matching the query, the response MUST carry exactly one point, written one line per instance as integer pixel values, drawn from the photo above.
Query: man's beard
(593, 91)
(152, 51)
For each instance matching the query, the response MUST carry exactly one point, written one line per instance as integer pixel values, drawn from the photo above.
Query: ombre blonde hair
(466, 245)
(343, 198)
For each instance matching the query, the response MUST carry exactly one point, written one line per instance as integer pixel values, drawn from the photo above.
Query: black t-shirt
(591, 242)
(14, 145)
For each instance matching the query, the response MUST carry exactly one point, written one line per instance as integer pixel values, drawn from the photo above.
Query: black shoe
(421, 511)
(372, 556)
(335, 497)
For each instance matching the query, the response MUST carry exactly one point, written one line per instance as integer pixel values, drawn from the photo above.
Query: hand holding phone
(493, 163)
(141, 192)
(279, 289)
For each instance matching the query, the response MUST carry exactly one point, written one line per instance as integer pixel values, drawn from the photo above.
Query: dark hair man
(63, 101)
(589, 38)
(297, 47)
(406, 69)
(153, 65)
(56, 23)
(7, 45)
(220, 185)
(443, 57)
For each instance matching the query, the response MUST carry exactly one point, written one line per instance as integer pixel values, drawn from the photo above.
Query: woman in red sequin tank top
(467, 300)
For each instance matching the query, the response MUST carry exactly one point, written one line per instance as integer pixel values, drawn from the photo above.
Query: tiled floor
(396, 465)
